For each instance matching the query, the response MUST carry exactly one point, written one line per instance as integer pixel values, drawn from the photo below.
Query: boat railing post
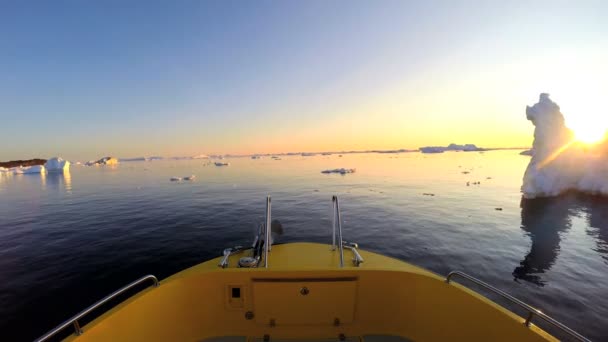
(267, 231)
(333, 223)
(339, 220)
(77, 329)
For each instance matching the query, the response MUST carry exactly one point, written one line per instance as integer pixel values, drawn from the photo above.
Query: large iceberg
(57, 164)
(561, 163)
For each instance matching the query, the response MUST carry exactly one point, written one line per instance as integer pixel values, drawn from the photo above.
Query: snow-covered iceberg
(560, 163)
(341, 171)
(57, 164)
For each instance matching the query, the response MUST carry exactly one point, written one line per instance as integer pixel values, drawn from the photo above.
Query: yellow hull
(305, 295)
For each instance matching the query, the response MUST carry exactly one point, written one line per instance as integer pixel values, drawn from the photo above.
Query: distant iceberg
(36, 169)
(341, 171)
(451, 147)
(201, 156)
(307, 154)
(433, 149)
(255, 157)
(57, 164)
(103, 161)
(561, 163)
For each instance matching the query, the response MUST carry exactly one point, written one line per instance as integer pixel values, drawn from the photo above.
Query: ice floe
(560, 163)
(341, 171)
(57, 164)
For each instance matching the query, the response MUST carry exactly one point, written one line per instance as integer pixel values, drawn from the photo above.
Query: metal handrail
(531, 310)
(74, 320)
(267, 232)
(337, 217)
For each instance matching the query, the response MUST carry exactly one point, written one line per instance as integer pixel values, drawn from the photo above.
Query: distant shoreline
(28, 162)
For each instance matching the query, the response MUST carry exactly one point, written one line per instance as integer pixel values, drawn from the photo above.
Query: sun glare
(589, 133)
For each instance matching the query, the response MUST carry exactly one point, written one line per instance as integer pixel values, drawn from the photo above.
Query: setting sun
(589, 134)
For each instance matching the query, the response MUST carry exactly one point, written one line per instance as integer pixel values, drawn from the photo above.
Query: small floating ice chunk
(57, 164)
(341, 171)
(221, 164)
(189, 178)
(176, 179)
(255, 157)
(308, 154)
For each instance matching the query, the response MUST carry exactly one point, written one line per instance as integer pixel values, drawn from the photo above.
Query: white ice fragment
(176, 179)
(57, 164)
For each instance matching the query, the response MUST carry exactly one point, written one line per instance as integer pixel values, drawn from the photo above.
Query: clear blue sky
(84, 79)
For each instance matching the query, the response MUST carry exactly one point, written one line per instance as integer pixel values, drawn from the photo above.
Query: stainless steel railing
(532, 312)
(267, 236)
(338, 219)
(74, 320)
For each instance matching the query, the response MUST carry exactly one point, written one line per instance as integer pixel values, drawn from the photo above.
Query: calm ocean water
(68, 240)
